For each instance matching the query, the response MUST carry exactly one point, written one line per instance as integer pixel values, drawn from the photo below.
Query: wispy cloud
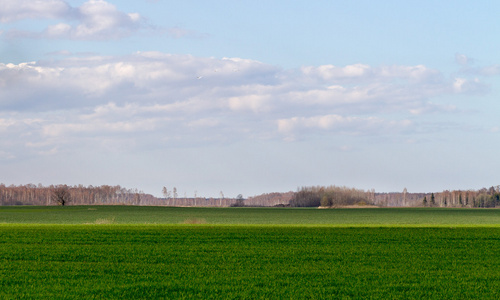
(463, 59)
(342, 125)
(179, 32)
(492, 70)
(466, 62)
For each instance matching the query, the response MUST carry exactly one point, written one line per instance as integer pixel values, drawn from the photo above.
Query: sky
(250, 97)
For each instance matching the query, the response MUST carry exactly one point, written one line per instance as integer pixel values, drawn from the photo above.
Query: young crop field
(123, 258)
(247, 215)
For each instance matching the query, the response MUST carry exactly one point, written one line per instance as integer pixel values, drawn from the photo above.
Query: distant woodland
(316, 196)
(342, 196)
(31, 194)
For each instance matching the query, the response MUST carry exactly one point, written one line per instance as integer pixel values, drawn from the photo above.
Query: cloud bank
(154, 99)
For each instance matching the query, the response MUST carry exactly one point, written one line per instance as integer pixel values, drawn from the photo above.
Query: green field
(249, 216)
(247, 253)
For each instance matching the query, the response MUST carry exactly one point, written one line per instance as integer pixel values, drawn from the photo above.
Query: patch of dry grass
(103, 221)
(195, 221)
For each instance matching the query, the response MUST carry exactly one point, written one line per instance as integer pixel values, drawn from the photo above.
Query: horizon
(250, 98)
(496, 189)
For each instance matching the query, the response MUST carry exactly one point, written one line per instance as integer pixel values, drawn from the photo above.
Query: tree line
(315, 196)
(31, 194)
(482, 198)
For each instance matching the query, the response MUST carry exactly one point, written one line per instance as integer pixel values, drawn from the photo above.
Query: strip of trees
(331, 196)
(31, 194)
(485, 197)
(334, 196)
(270, 199)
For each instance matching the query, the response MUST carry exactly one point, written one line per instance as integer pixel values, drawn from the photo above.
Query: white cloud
(148, 98)
(99, 127)
(255, 103)
(464, 85)
(100, 19)
(331, 72)
(433, 108)
(11, 11)
(95, 19)
(361, 72)
(58, 30)
(342, 125)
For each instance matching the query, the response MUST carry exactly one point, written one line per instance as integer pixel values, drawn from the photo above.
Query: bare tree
(61, 195)
(239, 201)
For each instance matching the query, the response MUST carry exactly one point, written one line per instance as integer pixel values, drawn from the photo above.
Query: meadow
(248, 253)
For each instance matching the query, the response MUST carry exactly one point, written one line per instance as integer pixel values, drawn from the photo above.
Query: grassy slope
(266, 216)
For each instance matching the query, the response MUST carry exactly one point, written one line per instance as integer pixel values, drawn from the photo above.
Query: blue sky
(250, 96)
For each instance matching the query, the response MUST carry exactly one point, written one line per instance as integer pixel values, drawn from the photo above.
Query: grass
(248, 262)
(117, 252)
(249, 216)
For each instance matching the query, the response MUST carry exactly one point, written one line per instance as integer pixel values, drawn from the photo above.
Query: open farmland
(366, 256)
(247, 215)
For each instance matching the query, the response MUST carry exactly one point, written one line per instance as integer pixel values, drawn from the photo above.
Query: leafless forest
(330, 196)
